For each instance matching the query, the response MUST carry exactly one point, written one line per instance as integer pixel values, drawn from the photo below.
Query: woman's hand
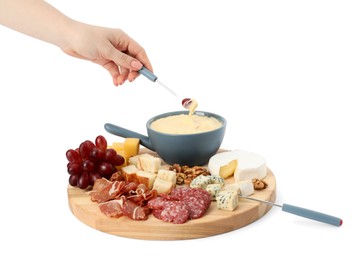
(113, 49)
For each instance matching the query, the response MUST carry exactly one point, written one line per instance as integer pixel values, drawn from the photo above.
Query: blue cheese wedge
(227, 200)
(200, 181)
(214, 189)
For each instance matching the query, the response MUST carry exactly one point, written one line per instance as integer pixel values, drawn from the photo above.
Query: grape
(118, 160)
(85, 149)
(84, 180)
(97, 154)
(88, 166)
(73, 180)
(94, 176)
(101, 143)
(74, 168)
(73, 156)
(92, 161)
(105, 168)
(110, 155)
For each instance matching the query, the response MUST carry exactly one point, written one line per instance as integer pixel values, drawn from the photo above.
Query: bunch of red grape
(92, 161)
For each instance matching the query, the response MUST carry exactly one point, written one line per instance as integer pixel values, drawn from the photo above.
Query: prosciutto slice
(121, 198)
(124, 207)
(105, 190)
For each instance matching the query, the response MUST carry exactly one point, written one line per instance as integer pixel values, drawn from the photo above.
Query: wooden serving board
(214, 222)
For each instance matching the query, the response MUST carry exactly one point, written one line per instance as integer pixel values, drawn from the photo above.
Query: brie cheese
(249, 165)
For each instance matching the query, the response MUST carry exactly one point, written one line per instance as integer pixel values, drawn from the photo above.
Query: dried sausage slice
(182, 204)
(175, 212)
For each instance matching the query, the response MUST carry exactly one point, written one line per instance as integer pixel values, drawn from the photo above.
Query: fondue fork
(186, 102)
(302, 212)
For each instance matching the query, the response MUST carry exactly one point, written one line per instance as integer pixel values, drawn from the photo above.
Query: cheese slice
(249, 165)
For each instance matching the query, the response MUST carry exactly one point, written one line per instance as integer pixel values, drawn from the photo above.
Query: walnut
(259, 184)
(180, 178)
(176, 167)
(188, 180)
(185, 173)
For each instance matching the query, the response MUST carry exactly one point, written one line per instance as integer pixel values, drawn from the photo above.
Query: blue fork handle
(148, 74)
(307, 213)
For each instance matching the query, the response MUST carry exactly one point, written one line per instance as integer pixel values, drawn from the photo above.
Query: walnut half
(259, 184)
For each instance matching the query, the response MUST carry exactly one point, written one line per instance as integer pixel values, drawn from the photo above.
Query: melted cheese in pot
(185, 124)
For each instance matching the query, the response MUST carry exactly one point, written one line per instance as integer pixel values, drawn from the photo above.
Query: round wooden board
(214, 222)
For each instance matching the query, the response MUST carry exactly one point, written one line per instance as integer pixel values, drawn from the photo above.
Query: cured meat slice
(179, 192)
(128, 187)
(132, 210)
(141, 195)
(104, 190)
(173, 207)
(175, 212)
(157, 203)
(169, 210)
(200, 193)
(111, 208)
(195, 205)
(123, 207)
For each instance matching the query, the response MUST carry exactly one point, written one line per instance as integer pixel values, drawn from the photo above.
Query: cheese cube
(213, 189)
(227, 200)
(131, 147)
(133, 159)
(129, 173)
(233, 187)
(167, 175)
(162, 186)
(147, 178)
(246, 187)
(149, 163)
(118, 147)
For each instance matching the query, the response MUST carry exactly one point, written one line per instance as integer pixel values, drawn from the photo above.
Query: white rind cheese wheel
(243, 165)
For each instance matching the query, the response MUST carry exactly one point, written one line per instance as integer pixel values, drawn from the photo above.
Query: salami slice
(175, 212)
(202, 194)
(157, 203)
(180, 192)
(182, 204)
(195, 205)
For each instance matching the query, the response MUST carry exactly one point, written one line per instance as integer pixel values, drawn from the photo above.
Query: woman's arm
(104, 46)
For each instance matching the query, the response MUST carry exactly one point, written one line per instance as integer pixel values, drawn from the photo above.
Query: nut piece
(185, 174)
(259, 184)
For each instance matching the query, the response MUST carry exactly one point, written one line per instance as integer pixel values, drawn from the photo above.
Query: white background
(285, 74)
